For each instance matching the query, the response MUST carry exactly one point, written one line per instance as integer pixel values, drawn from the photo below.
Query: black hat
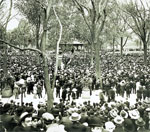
(6, 107)
(95, 122)
(19, 110)
(129, 125)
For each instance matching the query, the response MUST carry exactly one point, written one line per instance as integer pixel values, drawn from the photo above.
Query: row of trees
(90, 21)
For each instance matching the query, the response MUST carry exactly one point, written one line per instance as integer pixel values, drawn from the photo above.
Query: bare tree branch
(137, 24)
(21, 49)
(125, 42)
(9, 15)
(148, 37)
(131, 27)
(80, 8)
(41, 5)
(94, 12)
(10, 19)
(101, 25)
(1, 2)
(138, 11)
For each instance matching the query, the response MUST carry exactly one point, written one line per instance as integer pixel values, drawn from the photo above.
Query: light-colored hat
(148, 109)
(75, 117)
(118, 120)
(24, 115)
(48, 117)
(134, 114)
(132, 106)
(74, 89)
(68, 89)
(109, 126)
(124, 114)
(113, 113)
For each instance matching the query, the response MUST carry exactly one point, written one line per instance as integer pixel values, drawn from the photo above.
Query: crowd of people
(66, 117)
(121, 76)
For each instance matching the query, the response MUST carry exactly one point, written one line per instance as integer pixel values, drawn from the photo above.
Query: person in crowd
(76, 126)
(140, 125)
(125, 75)
(39, 89)
(49, 125)
(6, 118)
(25, 123)
(118, 120)
(36, 123)
(16, 91)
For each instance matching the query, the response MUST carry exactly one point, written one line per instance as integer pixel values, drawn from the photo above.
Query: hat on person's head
(6, 107)
(140, 122)
(123, 114)
(35, 116)
(83, 109)
(24, 115)
(68, 89)
(134, 114)
(19, 110)
(47, 117)
(132, 107)
(75, 117)
(91, 112)
(29, 109)
(109, 126)
(74, 89)
(113, 113)
(118, 120)
(147, 109)
(93, 122)
(129, 125)
(55, 112)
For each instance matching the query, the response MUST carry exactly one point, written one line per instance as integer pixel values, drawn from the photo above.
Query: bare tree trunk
(92, 56)
(5, 46)
(97, 64)
(145, 52)
(44, 38)
(37, 38)
(140, 45)
(121, 46)
(113, 45)
(49, 91)
(57, 50)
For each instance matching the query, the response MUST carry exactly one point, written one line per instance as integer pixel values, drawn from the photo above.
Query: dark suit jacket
(77, 127)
